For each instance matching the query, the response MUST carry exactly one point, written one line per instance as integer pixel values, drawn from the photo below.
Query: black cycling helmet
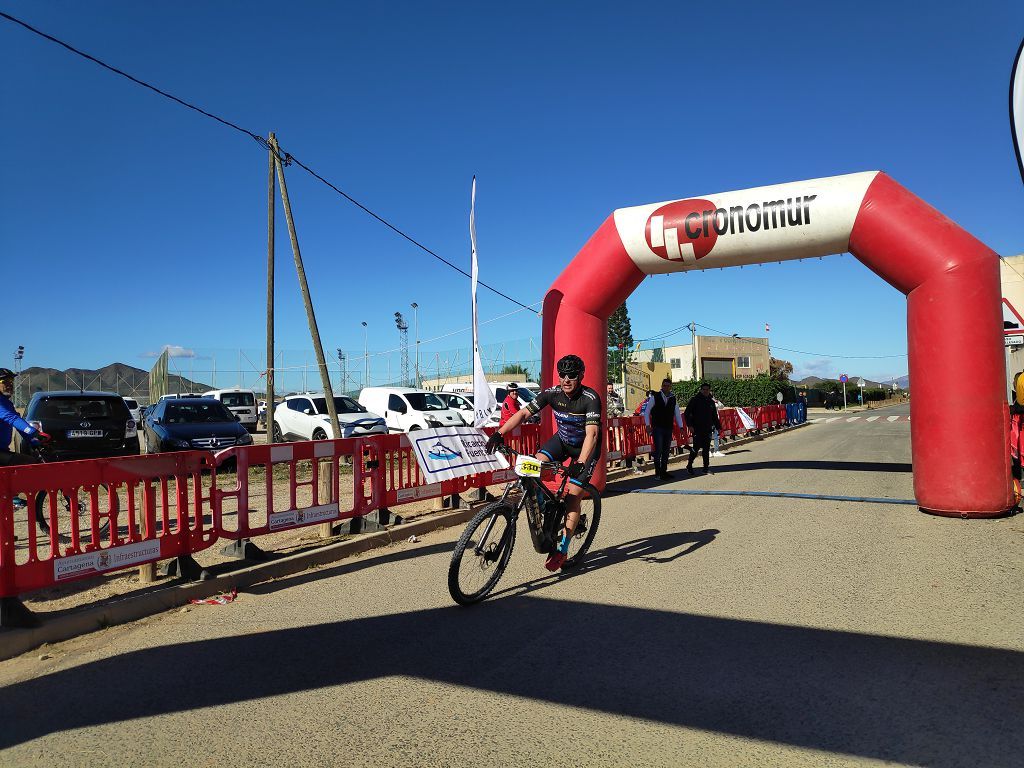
(6, 373)
(571, 366)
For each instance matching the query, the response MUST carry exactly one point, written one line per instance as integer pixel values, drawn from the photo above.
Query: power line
(803, 352)
(259, 140)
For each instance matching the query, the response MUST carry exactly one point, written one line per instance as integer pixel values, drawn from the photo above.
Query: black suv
(84, 425)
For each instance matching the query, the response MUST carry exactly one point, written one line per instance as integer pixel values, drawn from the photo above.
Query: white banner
(445, 453)
(484, 401)
(752, 226)
(748, 422)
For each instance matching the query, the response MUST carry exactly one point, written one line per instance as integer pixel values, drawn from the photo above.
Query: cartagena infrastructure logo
(688, 230)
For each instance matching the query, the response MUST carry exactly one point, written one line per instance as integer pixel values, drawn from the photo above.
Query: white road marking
(872, 418)
(834, 418)
(852, 418)
(892, 418)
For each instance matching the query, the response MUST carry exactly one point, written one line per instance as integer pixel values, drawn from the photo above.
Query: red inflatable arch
(951, 280)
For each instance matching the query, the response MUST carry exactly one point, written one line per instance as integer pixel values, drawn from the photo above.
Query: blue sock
(563, 545)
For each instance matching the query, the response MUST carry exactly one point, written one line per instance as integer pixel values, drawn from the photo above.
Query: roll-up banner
(785, 221)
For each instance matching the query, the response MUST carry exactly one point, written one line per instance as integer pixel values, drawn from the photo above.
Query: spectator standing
(615, 404)
(701, 417)
(510, 405)
(11, 420)
(661, 413)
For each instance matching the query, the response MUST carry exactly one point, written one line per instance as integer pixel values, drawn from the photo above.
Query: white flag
(748, 423)
(1017, 107)
(484, 401)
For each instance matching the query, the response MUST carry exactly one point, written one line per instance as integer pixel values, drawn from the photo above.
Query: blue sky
(130, 223)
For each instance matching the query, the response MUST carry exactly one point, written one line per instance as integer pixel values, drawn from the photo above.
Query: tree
(514, 368)
(779, 369)
(620, 340)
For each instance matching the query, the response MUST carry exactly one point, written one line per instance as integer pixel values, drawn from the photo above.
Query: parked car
(177, 395)
(134, 409)
(305, 417)
(241, 402)
(83, 424)
(406, 409)
(500, 392)
(457, 402)
(194, 423)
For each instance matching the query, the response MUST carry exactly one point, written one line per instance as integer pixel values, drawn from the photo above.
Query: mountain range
(123, 379)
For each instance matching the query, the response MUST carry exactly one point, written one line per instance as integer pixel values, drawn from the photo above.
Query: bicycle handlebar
(552, 466)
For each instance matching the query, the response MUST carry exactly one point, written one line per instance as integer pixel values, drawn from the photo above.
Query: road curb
(14, 642)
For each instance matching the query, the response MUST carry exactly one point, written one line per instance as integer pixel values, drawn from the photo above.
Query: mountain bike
(65, 508)
(485, 546)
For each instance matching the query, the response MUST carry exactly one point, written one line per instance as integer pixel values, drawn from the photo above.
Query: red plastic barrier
(103, 515)
(123, 512)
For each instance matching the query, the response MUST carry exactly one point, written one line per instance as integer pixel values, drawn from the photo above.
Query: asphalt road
(705, 630)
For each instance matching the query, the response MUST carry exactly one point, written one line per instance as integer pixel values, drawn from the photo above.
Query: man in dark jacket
(660, 414)
(701, 416)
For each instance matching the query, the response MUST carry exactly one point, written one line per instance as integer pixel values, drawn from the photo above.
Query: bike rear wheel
(105, 498)
(586, 528)
(482, 553)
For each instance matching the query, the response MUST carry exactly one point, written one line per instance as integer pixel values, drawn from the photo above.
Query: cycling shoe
(555, 561)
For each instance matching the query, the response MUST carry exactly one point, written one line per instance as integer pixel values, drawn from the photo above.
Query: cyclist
(577, 412)
(10, 420)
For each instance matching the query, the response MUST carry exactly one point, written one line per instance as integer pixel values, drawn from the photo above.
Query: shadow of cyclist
(646, 549)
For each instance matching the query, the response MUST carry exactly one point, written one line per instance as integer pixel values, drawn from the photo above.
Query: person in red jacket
(511, 405)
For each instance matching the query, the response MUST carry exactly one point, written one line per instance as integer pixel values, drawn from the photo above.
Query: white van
(406, 409)
(241, 402)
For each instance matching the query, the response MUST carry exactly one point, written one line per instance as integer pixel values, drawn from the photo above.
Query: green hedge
(760, 390)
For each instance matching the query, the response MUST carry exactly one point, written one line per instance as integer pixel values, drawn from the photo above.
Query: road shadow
(887, 698)
(346, 567)
(645, 549)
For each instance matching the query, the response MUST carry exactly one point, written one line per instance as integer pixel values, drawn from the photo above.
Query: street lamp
(341, 364)
(416, 325)
(19, 353)
(366, 359)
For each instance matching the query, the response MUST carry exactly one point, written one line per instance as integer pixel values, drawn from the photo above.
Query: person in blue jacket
(11, 420)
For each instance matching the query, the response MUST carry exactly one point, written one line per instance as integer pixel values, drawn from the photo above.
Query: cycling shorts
(557, 450)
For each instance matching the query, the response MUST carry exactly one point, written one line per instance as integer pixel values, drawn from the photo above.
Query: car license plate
(85, 433)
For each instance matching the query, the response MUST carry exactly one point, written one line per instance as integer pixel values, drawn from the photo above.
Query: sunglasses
(568, 378)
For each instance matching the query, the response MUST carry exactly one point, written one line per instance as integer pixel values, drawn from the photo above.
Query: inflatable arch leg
(951, 280)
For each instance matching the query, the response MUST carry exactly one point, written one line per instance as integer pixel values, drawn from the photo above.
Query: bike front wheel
(482, 553)
(586, 528)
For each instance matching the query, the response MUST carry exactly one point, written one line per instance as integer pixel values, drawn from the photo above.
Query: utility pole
(327, 486)
(270, 296)
(344, 377)
(314, 332)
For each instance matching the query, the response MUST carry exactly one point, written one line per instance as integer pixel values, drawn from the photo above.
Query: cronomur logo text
(687, 230)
